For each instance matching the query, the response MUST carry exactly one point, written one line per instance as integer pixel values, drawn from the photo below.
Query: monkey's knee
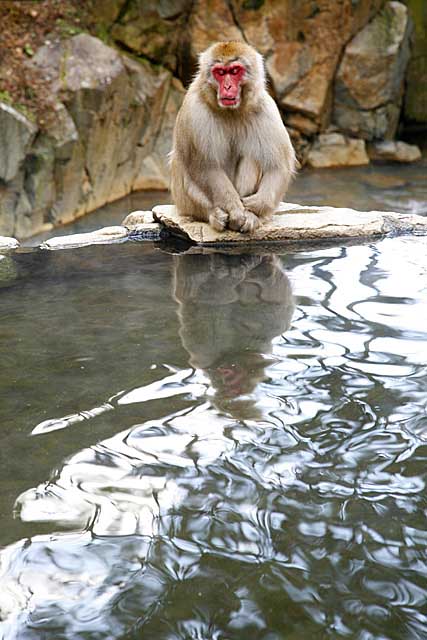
(218, 219)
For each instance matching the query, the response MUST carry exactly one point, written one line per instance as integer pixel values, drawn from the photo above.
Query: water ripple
(260, 475)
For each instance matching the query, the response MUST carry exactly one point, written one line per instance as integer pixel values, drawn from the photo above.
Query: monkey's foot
(245, 222)
(218, 219)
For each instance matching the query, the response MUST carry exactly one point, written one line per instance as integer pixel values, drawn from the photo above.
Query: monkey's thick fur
(230, 165)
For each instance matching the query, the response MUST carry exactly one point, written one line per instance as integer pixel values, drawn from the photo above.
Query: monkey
(232, 158)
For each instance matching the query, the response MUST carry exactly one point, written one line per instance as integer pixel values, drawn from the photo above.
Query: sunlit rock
(391, 151)
(106, 235)
(336, 150)
(369, 82)
(302, 44)
(8, 243)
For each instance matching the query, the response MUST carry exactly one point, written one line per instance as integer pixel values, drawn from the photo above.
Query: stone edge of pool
(290, 223)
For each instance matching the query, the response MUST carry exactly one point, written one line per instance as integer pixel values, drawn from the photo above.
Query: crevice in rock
(235, 19)
(122, 12)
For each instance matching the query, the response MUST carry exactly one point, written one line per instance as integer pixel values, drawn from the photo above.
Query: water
(214, 446)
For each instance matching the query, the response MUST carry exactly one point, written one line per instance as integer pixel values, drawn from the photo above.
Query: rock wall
(415, 103)
(336, 69)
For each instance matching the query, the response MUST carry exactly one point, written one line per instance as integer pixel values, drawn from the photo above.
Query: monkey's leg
(247, 177)
(266, 200)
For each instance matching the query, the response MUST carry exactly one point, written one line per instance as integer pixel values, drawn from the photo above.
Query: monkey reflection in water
(230, 309)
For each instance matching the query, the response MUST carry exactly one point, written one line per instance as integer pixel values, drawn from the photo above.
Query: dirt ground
(25, 25)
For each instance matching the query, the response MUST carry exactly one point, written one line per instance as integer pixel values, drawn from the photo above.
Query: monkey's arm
(277, 164)
(272, 187)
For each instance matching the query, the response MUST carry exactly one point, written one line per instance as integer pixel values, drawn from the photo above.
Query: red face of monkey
(229, 78)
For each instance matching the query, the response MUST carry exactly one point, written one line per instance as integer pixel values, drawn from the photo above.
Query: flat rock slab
(107, 235)
(293, 222)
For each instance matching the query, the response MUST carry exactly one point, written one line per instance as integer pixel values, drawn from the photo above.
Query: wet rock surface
(394, 151)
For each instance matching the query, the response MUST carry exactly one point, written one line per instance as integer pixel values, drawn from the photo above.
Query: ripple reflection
(279, 492)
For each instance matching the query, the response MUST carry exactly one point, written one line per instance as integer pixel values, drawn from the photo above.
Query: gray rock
(16, 136)
(110, 134)
(369, 82)
(394, 151)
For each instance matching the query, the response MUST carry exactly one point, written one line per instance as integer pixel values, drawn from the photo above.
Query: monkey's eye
(234, 71)
(221, 72)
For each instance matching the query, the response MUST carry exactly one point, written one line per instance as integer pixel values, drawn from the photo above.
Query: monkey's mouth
(229, 102)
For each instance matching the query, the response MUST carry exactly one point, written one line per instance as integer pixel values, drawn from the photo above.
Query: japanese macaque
(232, 159)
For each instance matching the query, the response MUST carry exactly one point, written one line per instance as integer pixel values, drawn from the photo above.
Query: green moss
(6, 98)
(67, 29)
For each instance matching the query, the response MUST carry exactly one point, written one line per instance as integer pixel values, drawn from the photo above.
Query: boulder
(153, 29)
(303, 124)
(394, 151)
(107, 118)
(336, 150)
(302, 42)
(16, 135)
(369, 82)
(210, 21)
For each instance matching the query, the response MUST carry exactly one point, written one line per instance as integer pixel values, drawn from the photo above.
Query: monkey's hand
(218, 219)
(259, 205)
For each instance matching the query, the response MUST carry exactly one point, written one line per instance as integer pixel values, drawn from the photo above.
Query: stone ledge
(293, 222)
